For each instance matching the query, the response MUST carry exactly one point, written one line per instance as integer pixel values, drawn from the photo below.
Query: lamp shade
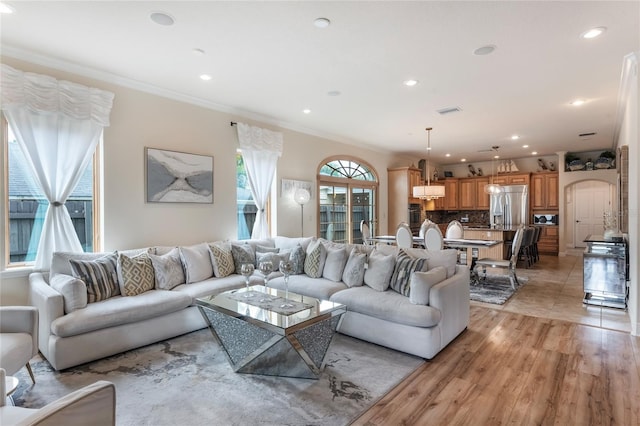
(428, 192)
(302, 196)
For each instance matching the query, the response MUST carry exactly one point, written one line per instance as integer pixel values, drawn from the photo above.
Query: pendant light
(428, 191)
(493, 188)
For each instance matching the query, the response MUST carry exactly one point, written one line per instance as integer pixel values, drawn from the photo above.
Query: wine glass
(286, 267)
(265, 268)
(246, 270)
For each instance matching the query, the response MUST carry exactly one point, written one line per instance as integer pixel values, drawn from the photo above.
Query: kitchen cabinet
(512, 179)
(401, 183)
(482, 199)
(544, 191)
(467, 199)
(548, 243)
(495, 252)
(450, 200)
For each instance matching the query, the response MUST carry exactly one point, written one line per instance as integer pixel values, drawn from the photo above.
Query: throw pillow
(353, 275)
(168, 269)
(73, 290)
(421, 283)
(379, 270)
(264, 249)
(135, 274)
(405, 266)
(297, 258)
(100, 276)
(222, 259)
(274, 258)
(314, 261)
(196, 262)
(334, 263)
(242, 253)
(447, 258)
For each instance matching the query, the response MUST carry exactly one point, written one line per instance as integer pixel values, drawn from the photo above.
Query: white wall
(140, 120)
(524, 165)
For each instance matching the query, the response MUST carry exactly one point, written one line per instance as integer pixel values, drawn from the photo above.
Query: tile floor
(554, 290)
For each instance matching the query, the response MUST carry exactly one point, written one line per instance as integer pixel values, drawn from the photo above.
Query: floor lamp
(302, 197)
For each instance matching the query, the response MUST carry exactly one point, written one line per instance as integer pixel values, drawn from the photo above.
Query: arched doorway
(347, 194)
(589, 200)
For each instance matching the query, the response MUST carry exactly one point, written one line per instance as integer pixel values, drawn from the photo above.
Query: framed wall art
(178, 177)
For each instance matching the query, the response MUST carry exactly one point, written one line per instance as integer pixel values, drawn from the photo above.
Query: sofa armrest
(451, 297)
(50, 305)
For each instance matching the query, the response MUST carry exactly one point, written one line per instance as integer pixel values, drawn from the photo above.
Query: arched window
(348, 194)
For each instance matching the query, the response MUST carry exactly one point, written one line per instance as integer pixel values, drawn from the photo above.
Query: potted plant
(572, 162)
(606, 160)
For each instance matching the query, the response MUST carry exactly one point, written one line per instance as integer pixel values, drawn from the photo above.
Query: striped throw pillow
(405, 266)
(100, 276)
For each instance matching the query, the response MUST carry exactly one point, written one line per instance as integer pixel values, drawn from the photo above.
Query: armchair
(94, 404)
(18, 338)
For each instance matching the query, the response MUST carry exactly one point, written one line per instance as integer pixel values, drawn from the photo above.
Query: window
(347, 190)
(27, 206)
(245, 205)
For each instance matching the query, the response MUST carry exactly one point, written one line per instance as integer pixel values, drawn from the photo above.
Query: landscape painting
(178, 177)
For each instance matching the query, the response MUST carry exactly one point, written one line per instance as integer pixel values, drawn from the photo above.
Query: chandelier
(428, 191)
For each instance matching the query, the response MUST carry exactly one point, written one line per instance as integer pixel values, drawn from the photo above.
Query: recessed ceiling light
(321, 23)
(198, 52)
(162, 18)
(447, 155)
(525, 146)
(306, 111)
(515, 137)
(593, 32)
(577, 102)
(534, 153)
(5, 8)
(484, 50)
(410, 83)
(205, 77)
(463, 160)
(334, 93)
(496, 156)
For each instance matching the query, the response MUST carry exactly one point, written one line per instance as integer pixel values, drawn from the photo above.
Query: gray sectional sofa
(75, 327)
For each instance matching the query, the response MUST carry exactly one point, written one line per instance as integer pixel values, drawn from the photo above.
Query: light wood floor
(541, 359)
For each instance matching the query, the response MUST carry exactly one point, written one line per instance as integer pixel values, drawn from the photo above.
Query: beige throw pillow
(136, 274)
(422, 282)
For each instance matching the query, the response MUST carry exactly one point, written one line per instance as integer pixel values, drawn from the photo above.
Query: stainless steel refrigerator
(510, 207)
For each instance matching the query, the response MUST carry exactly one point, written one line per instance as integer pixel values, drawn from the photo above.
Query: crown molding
(629, 74)
(96, 74)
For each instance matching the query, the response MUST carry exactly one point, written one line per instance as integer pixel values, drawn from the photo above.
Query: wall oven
(415, 218)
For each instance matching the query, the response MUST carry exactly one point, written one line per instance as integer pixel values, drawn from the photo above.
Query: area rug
(496, 289)
(187, 380)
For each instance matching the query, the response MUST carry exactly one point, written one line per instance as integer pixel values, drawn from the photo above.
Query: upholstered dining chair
(18, 338)
(509, 265)
(454, 230)
(423, 227)
(433, 239)
(366, 232)
(404, 236)
(94, 404)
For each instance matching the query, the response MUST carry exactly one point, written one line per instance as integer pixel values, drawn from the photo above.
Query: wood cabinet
(512, 179)
(467, 198)
(548, 243)
(401, 183)
(495, 252)
(544, 191)
(450, 200)
(482, 198)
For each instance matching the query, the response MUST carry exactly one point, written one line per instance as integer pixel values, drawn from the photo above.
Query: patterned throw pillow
(222, 259)
(242, 253)
(405, 266)
(297, 258)
(100, 276)
(168, 269)
(353, 274)
(136, 273)
(314, 262)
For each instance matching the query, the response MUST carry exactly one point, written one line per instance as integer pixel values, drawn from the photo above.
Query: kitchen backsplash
(472, 217)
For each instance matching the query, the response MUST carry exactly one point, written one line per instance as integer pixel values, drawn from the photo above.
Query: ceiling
(268, 61)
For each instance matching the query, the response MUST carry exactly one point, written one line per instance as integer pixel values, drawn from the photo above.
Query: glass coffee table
(259, 336)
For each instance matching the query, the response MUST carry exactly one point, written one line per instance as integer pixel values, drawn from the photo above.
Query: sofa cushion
(421, 283)
(196, 261)
(242, 253)
(387, 305)
(404, 267)
(100, 276)
(447, 258)
(215, 286)
(320, 288)
(135, 274)
(222, 259)
(297, 258)
(334, 263)
(379, 270)
(73, 290)
(314, 261)
(291, 243)
(168, 269)
(60, 261)
(353, 274)
(119, 310)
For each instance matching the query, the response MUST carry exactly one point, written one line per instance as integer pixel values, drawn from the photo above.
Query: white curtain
(260, 151)
(57, 125)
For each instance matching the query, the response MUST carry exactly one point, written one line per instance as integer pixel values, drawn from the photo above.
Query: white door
(592, 200)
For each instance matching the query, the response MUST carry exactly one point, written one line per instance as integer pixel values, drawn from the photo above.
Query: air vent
(585, 135)
(448, 110)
